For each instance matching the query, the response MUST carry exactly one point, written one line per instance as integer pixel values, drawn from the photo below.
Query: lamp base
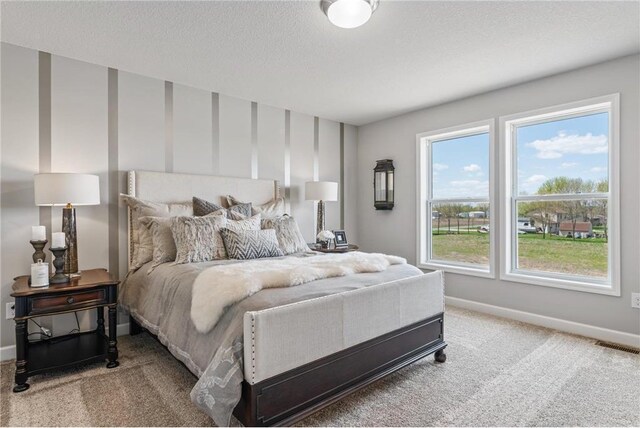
(71, 237)
(320, 220)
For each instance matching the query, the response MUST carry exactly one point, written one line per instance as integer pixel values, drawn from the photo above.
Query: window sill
(462, 270)
(566, 284)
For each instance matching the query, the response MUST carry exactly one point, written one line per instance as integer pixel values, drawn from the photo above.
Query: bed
(282, 353)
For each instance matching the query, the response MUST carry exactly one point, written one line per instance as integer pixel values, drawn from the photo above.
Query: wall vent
(618, 347)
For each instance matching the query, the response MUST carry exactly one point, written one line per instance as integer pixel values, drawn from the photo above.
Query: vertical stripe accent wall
(254, 140)
(341, 197)
(112, 136)
(287, 158)
(44, 125)
(215, 133)
(168, 126)
(64, 115)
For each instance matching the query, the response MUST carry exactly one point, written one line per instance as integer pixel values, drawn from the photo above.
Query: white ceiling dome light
(349, 13)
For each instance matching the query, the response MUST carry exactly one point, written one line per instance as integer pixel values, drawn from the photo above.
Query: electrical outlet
(11, 310)
(635, 300)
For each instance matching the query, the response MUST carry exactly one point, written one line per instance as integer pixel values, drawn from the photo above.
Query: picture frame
(340, 239)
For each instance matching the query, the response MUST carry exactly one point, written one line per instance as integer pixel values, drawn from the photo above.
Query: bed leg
(440, 356)
(134, 327)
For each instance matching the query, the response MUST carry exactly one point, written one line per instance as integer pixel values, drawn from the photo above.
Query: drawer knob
(70, 300)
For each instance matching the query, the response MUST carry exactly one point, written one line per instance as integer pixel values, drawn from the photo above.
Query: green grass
(586, 257)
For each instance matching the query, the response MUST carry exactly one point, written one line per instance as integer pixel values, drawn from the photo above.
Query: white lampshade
(65, 188)
(321, 191)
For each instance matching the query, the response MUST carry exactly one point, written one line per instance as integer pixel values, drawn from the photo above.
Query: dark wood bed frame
(288, 397)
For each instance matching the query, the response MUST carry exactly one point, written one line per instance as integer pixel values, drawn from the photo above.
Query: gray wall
(63, 115)
(394, 231)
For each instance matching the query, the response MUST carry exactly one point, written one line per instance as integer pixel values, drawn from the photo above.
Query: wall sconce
(383, 185)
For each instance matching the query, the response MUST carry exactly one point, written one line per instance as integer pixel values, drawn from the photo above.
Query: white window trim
(423, 227)
(612, 285)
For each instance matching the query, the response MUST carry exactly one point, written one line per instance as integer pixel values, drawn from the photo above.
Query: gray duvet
(161, 301)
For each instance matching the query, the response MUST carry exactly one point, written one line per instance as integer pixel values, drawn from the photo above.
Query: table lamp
(68, 190)
(321, 191)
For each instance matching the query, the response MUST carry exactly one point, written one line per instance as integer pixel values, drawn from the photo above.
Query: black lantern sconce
(383, 185)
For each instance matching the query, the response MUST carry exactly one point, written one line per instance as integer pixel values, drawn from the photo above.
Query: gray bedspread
(161, 301)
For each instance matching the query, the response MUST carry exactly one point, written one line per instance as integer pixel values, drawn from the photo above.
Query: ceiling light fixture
(349, 13)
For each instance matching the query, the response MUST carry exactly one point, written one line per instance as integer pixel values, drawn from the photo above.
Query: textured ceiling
(287, 54)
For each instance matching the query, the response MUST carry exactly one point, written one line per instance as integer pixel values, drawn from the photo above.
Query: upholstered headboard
(170, 187)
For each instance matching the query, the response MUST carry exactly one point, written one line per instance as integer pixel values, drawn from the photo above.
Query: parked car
(526, 227)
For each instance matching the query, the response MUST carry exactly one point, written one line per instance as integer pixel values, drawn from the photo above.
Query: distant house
(598, 220)
(583, 229)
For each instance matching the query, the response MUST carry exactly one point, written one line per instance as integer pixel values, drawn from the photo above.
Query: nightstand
(95, 288)
(347, 249)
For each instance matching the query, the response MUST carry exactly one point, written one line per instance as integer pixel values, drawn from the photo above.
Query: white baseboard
(9, 352)
(599, 333)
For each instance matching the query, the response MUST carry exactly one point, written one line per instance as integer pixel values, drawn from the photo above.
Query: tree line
(546, 212)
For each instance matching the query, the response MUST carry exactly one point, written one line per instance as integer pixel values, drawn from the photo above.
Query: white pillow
(251, 223)
(272, 209)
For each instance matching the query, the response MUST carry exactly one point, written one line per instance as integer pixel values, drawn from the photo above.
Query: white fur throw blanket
(218, 287)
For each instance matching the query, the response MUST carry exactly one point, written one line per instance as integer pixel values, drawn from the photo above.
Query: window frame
(424, 143)
(510, 196)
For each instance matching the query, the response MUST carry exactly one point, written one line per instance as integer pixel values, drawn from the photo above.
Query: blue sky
(461, 167)
(574, 148)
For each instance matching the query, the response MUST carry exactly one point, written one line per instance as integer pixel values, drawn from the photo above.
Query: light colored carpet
(498, 372)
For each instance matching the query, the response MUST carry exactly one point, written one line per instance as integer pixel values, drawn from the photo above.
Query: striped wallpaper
(63, 115)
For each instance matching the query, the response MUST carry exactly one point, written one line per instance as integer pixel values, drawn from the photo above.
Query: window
(561, 197)
(455, 199)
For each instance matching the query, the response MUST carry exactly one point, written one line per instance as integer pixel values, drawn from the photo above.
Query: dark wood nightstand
(94, 289)
(347, 249)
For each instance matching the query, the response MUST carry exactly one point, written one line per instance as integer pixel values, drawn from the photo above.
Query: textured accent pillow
(164, 246)
(251, 244)
(288, 233)
(140, 234)
(251, 223)
(272, 209)
(198, 238)
(202, 207)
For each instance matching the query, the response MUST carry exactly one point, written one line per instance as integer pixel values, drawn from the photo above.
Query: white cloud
(562, 144)
(462, 189)
(472, 168)
(440, 166)
(598, 169)
(531, 184)
(569, 164)
(536, 179)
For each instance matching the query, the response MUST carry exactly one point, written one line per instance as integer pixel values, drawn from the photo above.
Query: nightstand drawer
(67, 302)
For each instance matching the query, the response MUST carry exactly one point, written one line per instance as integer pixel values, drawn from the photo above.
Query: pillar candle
(58, 240)
(39, 274)
(38, 233)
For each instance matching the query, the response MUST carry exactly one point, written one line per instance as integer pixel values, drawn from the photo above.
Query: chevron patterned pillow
(250, 244)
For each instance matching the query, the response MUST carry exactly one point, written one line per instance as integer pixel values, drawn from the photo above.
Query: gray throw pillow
(202, 207)
(164, 246)
(140, 235)
(251, 244)
(288, 233)
(198, 238)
